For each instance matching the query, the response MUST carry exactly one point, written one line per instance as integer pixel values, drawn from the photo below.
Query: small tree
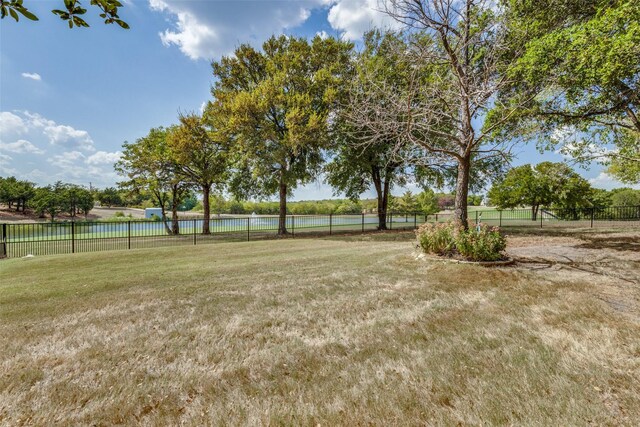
(110, 196)
(49, 200)
(200, 158)
(428, 202)
(546, 184)
(625, 197)
(151, 168)
(407, 202)
(14, 191)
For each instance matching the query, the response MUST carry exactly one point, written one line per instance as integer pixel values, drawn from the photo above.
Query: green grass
(338, 331)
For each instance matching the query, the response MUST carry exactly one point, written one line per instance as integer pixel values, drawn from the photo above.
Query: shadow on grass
(375, 236)
(616, 243)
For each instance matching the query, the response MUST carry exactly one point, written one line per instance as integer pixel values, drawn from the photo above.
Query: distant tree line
(66, 199)
(426, 202)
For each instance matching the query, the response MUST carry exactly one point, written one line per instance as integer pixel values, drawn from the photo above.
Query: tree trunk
(462, 191)
(382, 193)
(534, 212)
(282, 220)
(175, 225)
(161, 202)
(206, 190)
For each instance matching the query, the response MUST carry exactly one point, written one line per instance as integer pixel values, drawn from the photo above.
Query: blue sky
(69, 98)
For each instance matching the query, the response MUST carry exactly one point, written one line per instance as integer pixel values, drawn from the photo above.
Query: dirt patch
(607, 262)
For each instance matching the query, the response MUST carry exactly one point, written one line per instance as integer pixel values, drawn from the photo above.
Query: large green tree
(150, 167)
(546, 184)
(73, 11)
(200, 158)
(274, 104)
(582, 58)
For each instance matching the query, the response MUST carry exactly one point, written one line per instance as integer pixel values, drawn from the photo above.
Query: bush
(485, 244)
(448, 239)
(438, 239)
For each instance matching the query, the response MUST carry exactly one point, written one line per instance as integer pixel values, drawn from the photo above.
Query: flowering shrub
(485, 244)
(448, 239)
(437, 239)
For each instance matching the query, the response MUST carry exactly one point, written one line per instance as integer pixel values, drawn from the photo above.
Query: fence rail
(21, 239)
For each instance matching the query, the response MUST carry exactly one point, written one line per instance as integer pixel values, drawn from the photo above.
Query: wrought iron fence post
(128, 234)
(330, 223)
(194, 232)
(293, 226)
(436, 218)
(593, 211)
(390, 220)
(415, 220)
(3, 253)
(248, 228)
(541, 213)
(476, 217)
(73, 237)
(363, 222)
(500, 215)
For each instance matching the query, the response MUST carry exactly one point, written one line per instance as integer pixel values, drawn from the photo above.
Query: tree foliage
(581, 57)
(73, 12)
(366, 156)
(625, 197)
(546, 184)
(150, 167)
(199, 157)
(274, 105)
(110, 196)
(456, 54)
(16, 192)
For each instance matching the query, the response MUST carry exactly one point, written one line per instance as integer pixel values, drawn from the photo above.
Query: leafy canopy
(545, 184)
(72, 12)
(274, 105)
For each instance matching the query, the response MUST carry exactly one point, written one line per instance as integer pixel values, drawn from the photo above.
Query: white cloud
(32, 76)
(607, 182)
(20, 146)
(67, 160)
(5, 161)
(322, 34)
(11, 124)
(354, 17)
(69, 137)
(61, 135)
(71, 155)
(208, 30)
(103, 158)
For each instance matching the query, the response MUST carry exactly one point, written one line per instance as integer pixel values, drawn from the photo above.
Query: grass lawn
(339, 331)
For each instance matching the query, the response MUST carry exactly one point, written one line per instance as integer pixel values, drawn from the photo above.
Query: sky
(69, 98)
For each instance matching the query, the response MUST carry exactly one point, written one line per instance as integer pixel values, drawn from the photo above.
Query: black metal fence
(17, 240)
